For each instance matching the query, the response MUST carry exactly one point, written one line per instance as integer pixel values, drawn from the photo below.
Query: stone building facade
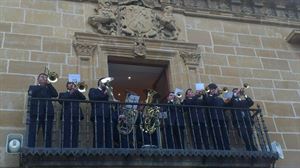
(225, 42)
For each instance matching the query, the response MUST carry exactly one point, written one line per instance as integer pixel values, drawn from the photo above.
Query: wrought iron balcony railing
(91, 128)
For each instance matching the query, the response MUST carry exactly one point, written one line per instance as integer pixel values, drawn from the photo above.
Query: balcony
(185, 136)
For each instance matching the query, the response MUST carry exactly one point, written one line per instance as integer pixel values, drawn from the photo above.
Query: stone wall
(39, 33)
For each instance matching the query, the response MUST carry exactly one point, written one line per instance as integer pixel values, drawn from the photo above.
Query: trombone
(52, 76)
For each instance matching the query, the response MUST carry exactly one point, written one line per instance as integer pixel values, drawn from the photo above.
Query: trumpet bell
(82, 87)
(107, 79)
(246, 85)
(53, 77)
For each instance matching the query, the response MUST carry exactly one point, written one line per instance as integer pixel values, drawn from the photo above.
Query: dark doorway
(137, 75)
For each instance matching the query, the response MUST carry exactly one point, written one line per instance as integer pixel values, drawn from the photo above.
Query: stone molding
(294, 37)
(84, 49)
(275, 12)
(191, 58)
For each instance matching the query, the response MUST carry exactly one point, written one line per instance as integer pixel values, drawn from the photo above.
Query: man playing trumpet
(41, 112)
(71, 114)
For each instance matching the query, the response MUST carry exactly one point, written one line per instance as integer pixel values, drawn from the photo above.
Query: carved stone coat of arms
(134, 19)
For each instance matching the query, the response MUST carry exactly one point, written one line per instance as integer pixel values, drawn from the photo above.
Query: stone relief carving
(131, 19)
(137, 21)
(224, 4)
(191, 58)
(139, 48)
(167, 26)
(268, 8)
(84, 49)
(247, 7)
(105, 19)
(291, 10)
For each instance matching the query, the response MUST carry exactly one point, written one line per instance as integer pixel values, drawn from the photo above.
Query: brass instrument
(52, 76)
(178, 98)
(127, 120)
(150, 121)
(242, 90)
(81, 86)
(106, 81)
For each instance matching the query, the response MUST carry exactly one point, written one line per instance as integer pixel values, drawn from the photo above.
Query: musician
(71, 115)
(41, 112)
(219, 131)
(101, 116)
(197, 117)
(241, 118)
(174, 123)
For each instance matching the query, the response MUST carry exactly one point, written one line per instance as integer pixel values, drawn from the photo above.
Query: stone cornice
(294, 36)
(274, 12)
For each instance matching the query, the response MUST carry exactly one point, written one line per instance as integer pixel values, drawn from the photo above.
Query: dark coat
(71, 108)
(215, 113)
(41, 108)
(241, 114)
(174, 115)
(197, 114)
(99, 109)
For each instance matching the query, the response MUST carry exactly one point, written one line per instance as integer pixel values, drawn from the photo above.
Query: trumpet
(106, 81)
(224, 90)
(81, 86)
(52, 76)
(245, 86)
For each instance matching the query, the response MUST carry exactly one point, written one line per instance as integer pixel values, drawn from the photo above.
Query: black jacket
(99, 109)
(196, 114)
(41, 108)
(215, 113)
(241, 114)
(71, 108)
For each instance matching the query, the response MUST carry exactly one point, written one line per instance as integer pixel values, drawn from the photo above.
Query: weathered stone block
(68, 69)
(291, 160)
(22, 42)
(226, 81)
(65, 7)
(225, 39)
(56, 45)
(263, 94)
(286, 95)
(5, 27)
(270, 124)
(274, 43)
(238, 72)
(245, 51)
(265, 74)
(212, 70)
(295, 66)
(292, 141)
(275, 64)
(32, 29)
(208, 25)
(40, 5)
(214, 59)
(10, 3)
(43, 18)
(248, 62)
(286, 84)
(290, 76)
(200, 37)
(235, 27)
(288, 55)
(279, 109)
(249, 41)
(15, 83)
(265, 53)
(26, 67)
(11, 118)
(48, 57)
(288, 124)
(12, 14)
(12, 101)
(15, 54)
(297, 109)
(224, 50)
(75, 21)
(3, 65)
(257, 29)
(259, 83)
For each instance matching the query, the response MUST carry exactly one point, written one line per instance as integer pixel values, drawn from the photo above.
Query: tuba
(127, 120)
(52, 76)
(150, 120)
